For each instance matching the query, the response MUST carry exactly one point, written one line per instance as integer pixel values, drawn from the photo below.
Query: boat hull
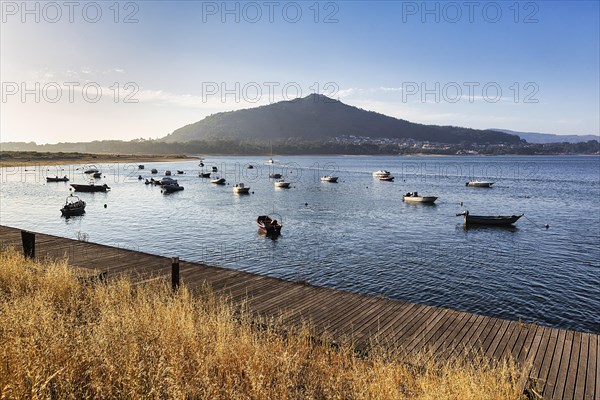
(491, 220)
(89, 188)
(419, 199)
(479, 184)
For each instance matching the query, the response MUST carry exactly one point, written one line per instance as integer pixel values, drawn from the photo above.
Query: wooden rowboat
(495, 220)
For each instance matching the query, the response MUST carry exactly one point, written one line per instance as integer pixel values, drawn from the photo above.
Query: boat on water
(494, 220)
(171, 187)
(90, 188)
(215, 169)
(91, 171)
(413, 197)
(270, 160)
(73, 206)
(204, 174)
(57, 179)
(250, 166)
(218, 181)
(275, 175)
(282, 183)
(180, 172)
(167, 180)
(167, 173)
(479, 184)
(268, 225)
(388, 178)
(141, 166)
(239, 188)
(154, 171)
(329, 178)
(97, 175)
(381, 173)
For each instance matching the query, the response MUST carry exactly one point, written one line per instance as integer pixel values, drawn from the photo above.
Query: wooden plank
(570, 373)
(555, 364)
(427, 331)
(592, 385)
(563, 368)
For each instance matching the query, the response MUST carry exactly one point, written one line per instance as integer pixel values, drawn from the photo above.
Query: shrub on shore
(63, 339)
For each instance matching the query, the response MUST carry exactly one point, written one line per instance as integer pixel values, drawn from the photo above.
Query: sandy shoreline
(31, 158)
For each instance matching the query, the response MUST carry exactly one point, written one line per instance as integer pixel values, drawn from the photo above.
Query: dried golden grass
(61, 339)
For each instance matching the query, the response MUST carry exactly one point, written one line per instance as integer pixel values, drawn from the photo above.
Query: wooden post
(28, 239)
(175, 272)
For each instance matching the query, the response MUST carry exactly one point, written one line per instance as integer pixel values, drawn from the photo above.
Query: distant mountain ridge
(535, 137)
(317, 117)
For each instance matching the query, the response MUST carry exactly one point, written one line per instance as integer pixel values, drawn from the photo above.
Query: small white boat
(329, 178)
(218, 181)
(479, 184)
(388, 178)
(380, 173)
(413, 197)
(282, 183)
(239, 188)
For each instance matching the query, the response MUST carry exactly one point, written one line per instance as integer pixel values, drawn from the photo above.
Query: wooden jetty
(564, 364)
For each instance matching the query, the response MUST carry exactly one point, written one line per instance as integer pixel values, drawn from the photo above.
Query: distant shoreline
(27, 158)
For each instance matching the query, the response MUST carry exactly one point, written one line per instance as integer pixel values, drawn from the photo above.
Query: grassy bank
(62, 339)
(27, 158)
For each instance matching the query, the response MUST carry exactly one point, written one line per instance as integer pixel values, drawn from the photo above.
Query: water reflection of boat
(495, 220)
(73, 206)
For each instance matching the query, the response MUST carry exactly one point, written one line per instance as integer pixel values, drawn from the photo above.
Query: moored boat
(479, 184)
(218, 181)
(141, 166)
(239, 188)
(329, 178)
(414, 197)
(387, 178)
(73, 206)
(204, 174)
(495, 220)
(171, 187)
(381, 173)
(282, 183)
(154, 171)
(275, 175)
(57, 179)
(91, 171)
(167, 180)
(90, 188)
(167, 173)
(97, 175)
(268, 225)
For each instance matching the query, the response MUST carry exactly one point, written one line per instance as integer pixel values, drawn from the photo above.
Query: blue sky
(150, 67)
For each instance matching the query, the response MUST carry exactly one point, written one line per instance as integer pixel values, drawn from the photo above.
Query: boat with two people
(413, 197)
(268, 225)
(73, 206)
(493, 220)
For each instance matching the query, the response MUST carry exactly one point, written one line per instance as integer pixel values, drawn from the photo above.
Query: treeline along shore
(142, 149)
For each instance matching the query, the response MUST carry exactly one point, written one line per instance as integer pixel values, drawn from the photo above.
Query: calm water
(358, 235)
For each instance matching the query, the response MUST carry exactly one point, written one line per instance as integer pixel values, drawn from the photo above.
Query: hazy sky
(82, 71)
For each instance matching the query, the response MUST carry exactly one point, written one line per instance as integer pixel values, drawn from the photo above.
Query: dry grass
(62, 339)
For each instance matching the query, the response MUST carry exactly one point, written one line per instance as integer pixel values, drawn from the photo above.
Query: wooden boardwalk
(564, 363)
